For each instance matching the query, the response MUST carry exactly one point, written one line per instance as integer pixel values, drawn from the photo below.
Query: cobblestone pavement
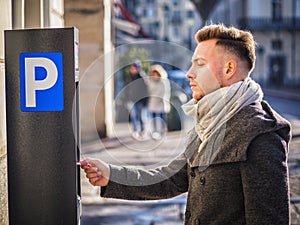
(149, 154)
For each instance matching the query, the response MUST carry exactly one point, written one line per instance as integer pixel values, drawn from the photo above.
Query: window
(276, 44)
(176, 18)
(175, 2)
(276, 10)
(150, 13)
(190, 14)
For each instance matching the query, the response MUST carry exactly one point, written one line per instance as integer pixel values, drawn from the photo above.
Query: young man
(234, 167)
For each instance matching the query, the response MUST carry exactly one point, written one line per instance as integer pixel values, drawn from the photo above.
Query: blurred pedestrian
(136, 97)
(159, 91)
(234, 166)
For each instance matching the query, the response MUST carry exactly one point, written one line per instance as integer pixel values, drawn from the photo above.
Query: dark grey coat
(247, 183)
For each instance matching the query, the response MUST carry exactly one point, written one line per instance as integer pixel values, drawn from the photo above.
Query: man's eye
(199, 63)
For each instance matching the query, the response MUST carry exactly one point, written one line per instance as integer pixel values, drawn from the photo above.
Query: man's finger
(94, 174)
(94, 180)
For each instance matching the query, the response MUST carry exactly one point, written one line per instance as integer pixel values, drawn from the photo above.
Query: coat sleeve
(265, 181)
(140, 184)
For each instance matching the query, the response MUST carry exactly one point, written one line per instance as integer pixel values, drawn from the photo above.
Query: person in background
(136, 97)
(234, 165)
(159, 91)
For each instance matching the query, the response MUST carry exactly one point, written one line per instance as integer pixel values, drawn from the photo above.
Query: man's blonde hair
(238, 42)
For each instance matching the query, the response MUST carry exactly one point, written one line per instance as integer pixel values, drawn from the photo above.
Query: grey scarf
(213, 111)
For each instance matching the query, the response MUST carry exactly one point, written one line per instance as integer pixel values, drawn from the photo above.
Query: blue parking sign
(41, 82)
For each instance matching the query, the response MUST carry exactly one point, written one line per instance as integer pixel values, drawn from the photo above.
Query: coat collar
(241, 129)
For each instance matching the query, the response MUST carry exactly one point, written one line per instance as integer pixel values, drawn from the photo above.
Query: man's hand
(97, 171)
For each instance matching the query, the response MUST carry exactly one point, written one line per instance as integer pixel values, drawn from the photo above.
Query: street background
(122, 149)
(105, 26)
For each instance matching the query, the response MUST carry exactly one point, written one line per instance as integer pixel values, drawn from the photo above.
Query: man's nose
(190, 74)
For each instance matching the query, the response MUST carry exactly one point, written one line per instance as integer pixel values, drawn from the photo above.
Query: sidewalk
(122, 149)
(286, 93)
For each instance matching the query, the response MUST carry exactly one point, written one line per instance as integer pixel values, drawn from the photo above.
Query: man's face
(206, 69)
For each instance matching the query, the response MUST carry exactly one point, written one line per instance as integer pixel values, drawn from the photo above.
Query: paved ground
(149, 154)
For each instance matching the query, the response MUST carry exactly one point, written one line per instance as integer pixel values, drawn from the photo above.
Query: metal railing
(263, 24)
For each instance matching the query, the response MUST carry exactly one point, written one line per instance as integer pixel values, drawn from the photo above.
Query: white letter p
(31, 84)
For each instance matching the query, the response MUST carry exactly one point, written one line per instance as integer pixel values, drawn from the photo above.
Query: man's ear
(230, 69)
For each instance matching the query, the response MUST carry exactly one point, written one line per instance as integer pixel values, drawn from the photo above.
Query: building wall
(57, 13)
(87, 16)
(167, 20)
(257, 8)
(258, 14)
(289, 53)
(5, 24)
